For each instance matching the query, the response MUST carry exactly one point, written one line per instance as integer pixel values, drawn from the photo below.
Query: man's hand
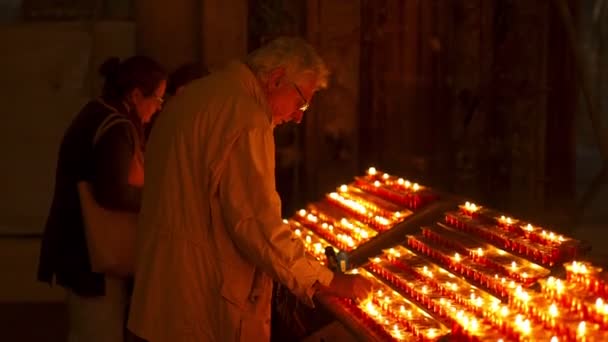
(352, 286)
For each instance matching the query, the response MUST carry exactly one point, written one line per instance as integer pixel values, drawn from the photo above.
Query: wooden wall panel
(331, 125)
(403, 124)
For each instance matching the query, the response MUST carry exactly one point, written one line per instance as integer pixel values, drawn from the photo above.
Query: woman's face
(146, 106)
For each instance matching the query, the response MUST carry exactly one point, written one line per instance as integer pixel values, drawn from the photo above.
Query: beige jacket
(210, 235)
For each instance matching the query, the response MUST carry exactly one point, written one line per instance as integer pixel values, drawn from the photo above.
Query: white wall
(45, 73)
(45, 77)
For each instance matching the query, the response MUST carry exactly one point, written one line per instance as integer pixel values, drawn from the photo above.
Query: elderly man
(210, 236)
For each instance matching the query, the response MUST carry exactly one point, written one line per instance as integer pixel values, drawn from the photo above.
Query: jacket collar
(251, 85)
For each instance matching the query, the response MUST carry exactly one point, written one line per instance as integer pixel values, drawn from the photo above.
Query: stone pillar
(223, 27)
(168, 32)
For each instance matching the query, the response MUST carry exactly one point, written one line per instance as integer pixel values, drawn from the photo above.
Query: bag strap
(110, 121)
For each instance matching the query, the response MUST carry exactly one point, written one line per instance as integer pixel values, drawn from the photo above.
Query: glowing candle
(457, 257)
(582, 329)
(396, 333)
(343, 188)
(599, 304)
(415, 187)
(505, 220)
(553, 311)
(372, 171)
(470, 208)
(504, 311)
(312, 218)
(525, 327)
(474, 325)
(385, 176)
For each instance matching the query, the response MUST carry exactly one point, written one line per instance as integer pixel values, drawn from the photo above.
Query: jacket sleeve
(112, 157)
(252, 211)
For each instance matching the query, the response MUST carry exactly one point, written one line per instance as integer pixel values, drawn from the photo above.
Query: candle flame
(372, 171)
(582, 328)
(599, 304)
(553, 310)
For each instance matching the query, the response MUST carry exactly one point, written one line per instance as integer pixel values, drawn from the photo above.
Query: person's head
(183, 75)
(138, 82)
(290, 72)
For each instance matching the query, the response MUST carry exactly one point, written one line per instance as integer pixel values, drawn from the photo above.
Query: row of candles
(464, 265)
(539, 306)
(529, 315)
(384, 311)
(496, 259)
(535, 242)
(398, 190)
(509, 240)
(453, 312)
(346, 234)
(537, 234)
(573, 295)
(399, 317)
(474, 313)
(313, 244)
(567, 320)
(381, 216)
(592, 278)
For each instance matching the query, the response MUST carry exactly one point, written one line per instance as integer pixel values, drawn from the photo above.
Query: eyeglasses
(305, 103)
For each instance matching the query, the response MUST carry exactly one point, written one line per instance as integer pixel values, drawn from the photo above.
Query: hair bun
(110, 67)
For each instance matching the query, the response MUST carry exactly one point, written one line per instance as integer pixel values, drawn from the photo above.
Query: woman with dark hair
(103, 146)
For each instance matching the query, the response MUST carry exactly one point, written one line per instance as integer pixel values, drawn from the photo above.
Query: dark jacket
(64, 254)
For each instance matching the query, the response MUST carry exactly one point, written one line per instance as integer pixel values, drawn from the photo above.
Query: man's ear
(275, 77)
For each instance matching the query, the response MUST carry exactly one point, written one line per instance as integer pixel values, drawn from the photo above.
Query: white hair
(299, 59)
